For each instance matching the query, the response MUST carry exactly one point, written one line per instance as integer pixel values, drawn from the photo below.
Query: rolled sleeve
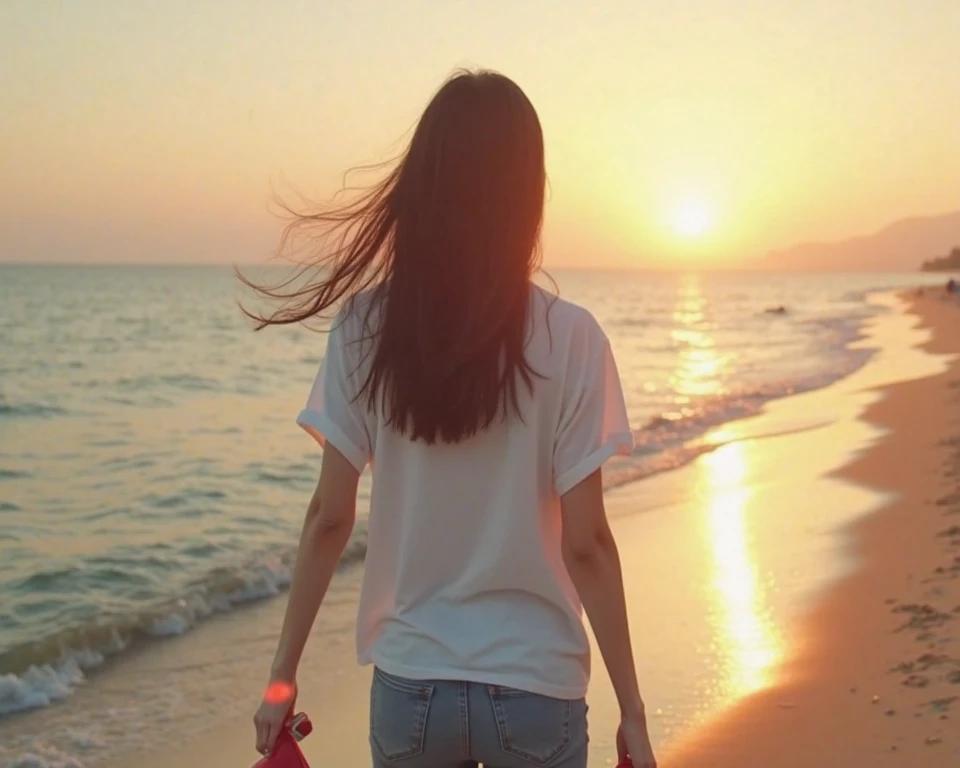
(334, 413)
(594, 425)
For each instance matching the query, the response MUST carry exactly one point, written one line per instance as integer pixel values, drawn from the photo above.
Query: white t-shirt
(464, 578)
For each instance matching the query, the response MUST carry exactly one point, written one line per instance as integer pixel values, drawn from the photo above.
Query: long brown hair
(446, 244)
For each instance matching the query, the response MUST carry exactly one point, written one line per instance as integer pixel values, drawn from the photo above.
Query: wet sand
(730, 565)
(875, 676)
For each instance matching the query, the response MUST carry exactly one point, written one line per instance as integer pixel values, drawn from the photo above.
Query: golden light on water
(748, 636)
(699, 371)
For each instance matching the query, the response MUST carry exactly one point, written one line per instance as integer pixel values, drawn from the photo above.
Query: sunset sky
(677, 131)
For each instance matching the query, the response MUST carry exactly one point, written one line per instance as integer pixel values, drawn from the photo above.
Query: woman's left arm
(326, 531)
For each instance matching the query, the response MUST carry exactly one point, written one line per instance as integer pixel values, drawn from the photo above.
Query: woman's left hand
(277, 706)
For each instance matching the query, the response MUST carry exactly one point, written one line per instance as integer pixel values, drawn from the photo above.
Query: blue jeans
(447, 724)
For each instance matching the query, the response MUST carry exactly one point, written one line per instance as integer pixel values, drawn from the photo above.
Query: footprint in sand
(923, 616)
(942, 705)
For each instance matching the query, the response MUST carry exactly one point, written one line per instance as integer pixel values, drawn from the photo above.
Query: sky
(677, 132)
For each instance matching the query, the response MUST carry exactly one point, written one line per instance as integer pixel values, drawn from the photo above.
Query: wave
(28, 410)
(36, 674)
(13, 474)
(176, 381)
(672, 439)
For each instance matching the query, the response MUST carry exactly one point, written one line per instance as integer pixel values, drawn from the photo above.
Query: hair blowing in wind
(445, 244)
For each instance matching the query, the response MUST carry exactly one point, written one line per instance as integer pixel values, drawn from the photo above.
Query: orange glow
(698, 136)
(278, 692)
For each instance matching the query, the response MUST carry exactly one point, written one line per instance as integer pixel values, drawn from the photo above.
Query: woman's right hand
(279, 701)
(633, 744)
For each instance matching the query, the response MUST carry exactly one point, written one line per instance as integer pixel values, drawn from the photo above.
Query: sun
(691, 219)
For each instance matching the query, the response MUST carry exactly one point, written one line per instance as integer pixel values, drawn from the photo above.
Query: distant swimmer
(781, 310)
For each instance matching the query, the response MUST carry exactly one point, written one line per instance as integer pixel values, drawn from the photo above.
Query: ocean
(152, 476)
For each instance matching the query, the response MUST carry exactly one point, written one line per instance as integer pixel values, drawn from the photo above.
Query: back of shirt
(464, 578)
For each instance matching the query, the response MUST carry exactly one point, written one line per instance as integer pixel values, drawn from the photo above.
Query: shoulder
(354, 329)
(358, 316)
(566, 319)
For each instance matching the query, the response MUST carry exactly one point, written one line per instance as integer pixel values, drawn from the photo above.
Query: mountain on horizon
(902, 246)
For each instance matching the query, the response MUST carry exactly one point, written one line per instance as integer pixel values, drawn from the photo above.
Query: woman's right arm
(593, 562)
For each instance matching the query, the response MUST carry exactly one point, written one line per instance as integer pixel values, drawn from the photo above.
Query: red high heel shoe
(286, 753)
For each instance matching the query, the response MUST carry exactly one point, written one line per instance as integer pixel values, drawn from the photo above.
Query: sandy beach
(875, 677)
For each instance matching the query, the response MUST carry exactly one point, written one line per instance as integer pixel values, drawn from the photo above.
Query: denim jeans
(447, 724)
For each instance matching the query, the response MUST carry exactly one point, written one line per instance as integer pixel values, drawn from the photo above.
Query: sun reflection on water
(748, 638)
(747, 641)
(700, 369)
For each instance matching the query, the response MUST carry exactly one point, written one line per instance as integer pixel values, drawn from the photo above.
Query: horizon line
(559, 268)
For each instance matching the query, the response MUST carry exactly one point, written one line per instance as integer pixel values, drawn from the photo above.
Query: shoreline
(68, 658)
(706, 565)
(227, 584)
(875, 675)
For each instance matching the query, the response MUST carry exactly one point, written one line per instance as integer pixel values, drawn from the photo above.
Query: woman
(486, 407)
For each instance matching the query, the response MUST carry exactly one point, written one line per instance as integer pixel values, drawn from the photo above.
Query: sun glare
(691, 219)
